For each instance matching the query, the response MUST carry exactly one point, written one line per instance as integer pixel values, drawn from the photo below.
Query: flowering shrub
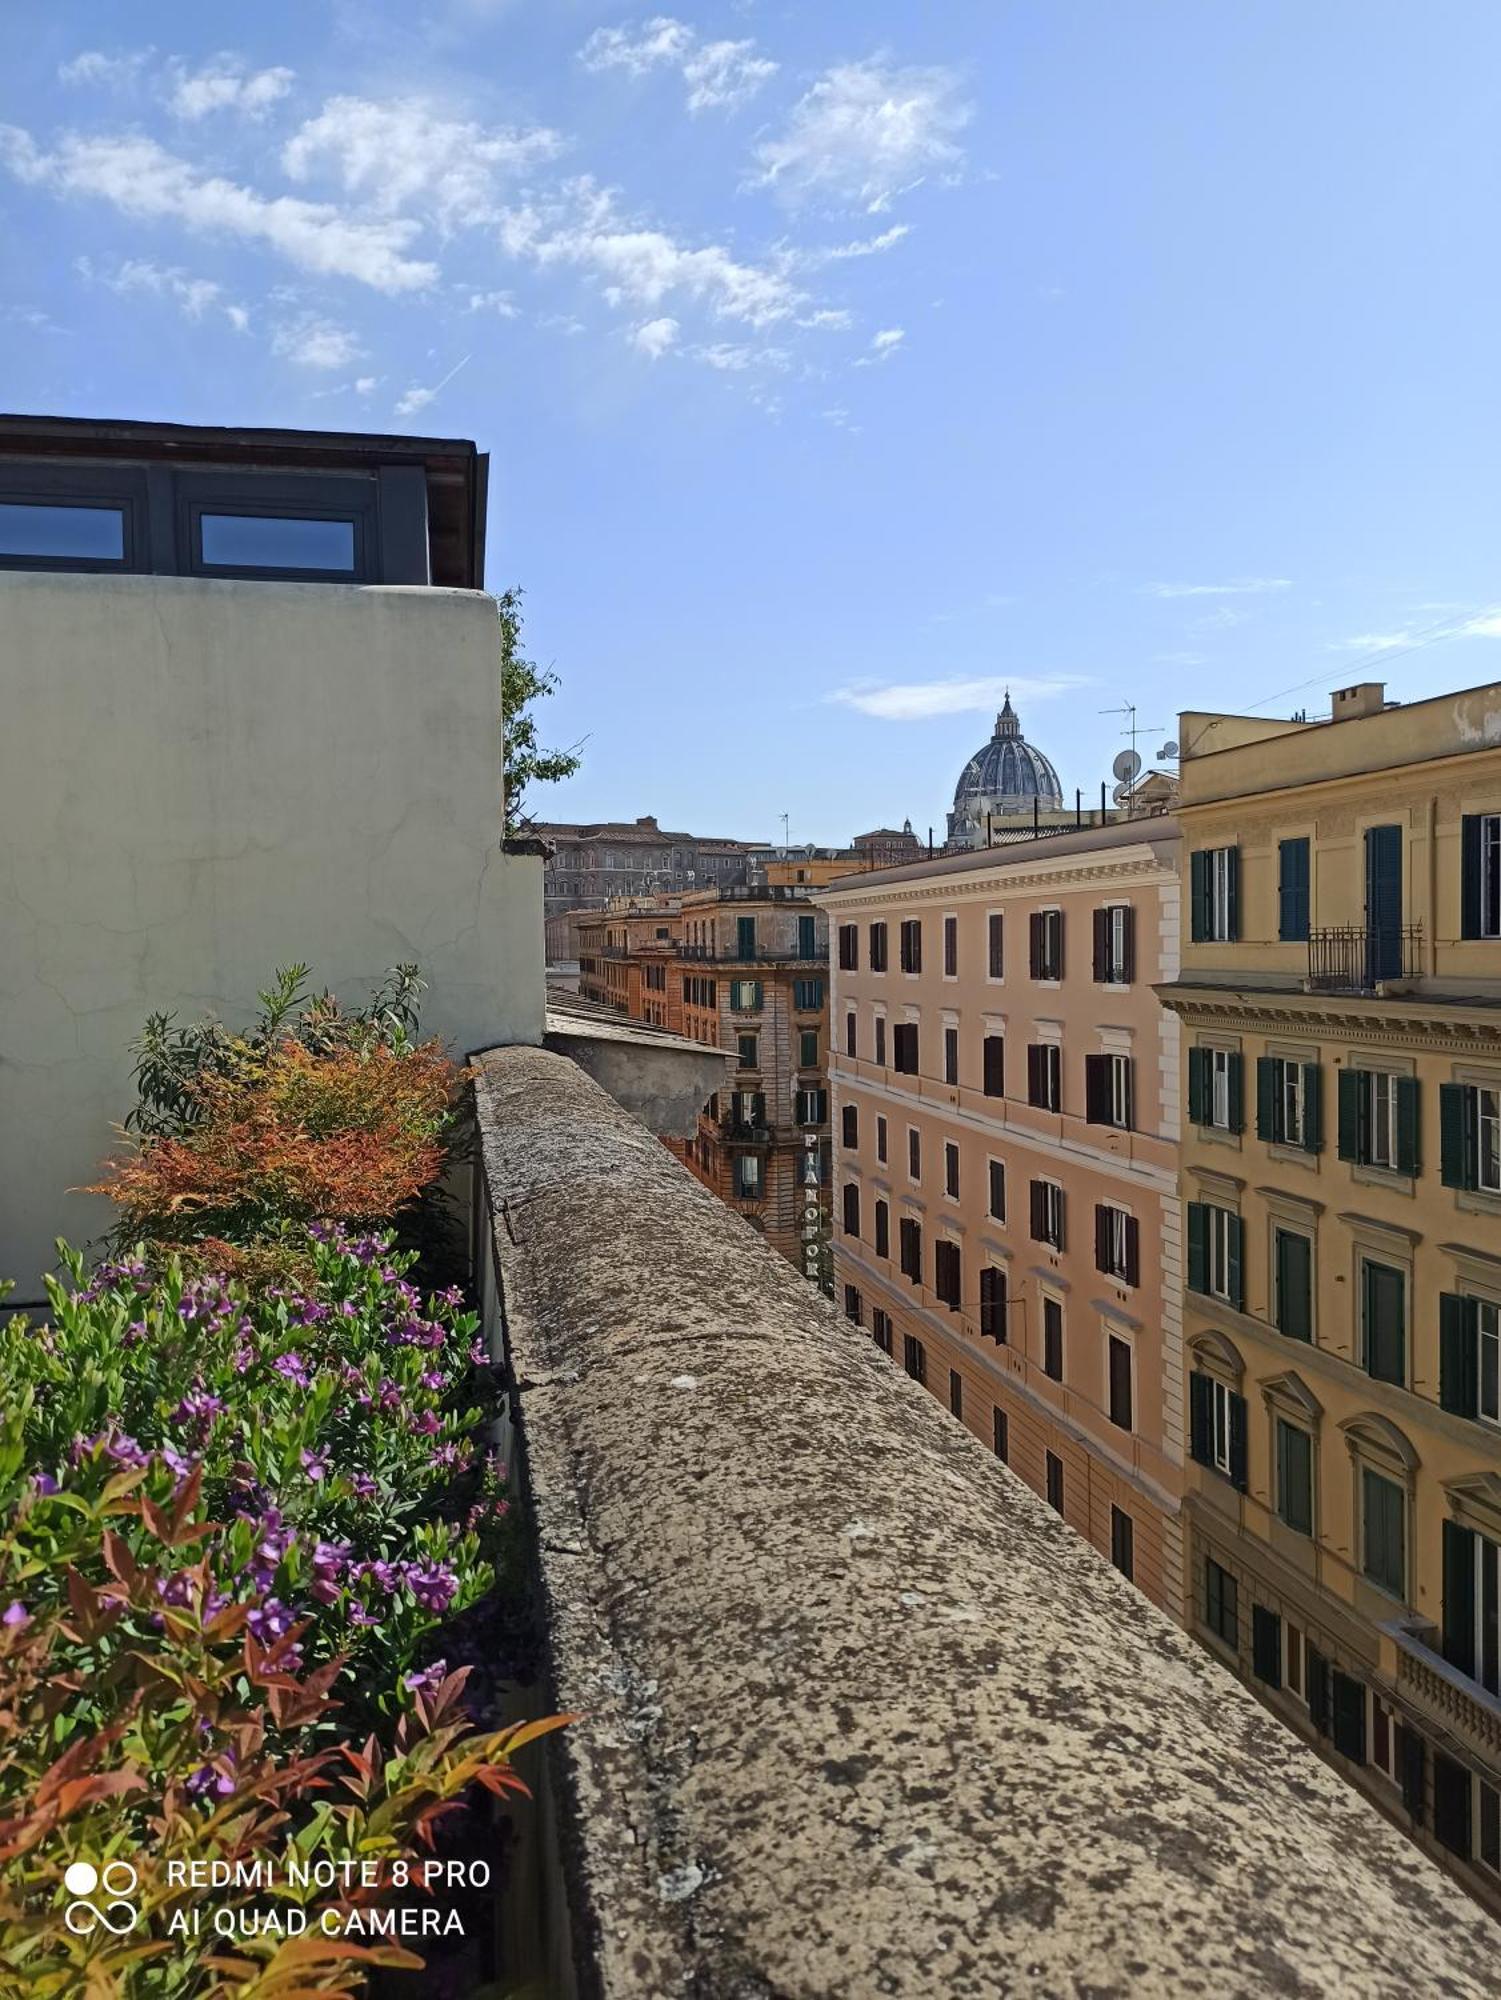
(230, 1525)
(284, 1134)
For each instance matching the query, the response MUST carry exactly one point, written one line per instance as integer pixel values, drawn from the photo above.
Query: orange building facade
(744, 969)
(1005, 1120)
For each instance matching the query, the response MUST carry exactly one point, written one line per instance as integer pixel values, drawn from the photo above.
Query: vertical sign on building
(815, 1231)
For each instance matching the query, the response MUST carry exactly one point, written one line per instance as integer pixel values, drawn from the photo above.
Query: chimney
(1365, 698)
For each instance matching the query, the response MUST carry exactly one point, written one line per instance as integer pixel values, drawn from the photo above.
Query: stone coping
(862, 1716)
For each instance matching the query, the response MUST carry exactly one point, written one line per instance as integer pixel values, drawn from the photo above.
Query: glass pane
(41, 529)
(276, 541)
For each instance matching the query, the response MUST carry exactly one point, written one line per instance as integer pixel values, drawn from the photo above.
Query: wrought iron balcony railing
(1357, 958)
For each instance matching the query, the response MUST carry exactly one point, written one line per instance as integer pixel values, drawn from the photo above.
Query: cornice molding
(998, 880)
(1412, 1021)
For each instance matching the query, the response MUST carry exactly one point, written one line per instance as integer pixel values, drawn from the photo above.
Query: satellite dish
(1170, 748)
(1121, 794)
(1126, 766)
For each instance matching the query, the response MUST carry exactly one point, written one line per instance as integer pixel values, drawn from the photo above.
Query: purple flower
(429, 1680)
(210, 1778)
(313, 1465)
(433, 1378)
(45, 1483)
(364, 1486)
(15, 1615)
(269, 1620)
(291, 1365)
(428, 1424)
(434, 1585)
(478, 1354)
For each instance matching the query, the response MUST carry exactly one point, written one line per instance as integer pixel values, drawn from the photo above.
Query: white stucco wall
(200, 781)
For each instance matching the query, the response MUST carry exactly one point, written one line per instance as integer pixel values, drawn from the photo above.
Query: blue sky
(840, 365)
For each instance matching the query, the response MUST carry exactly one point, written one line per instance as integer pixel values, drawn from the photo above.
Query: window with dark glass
(1045, 1075)
(851, 1208)
(995, 946)
(1114, 945)
(915, 1357)
(1123, 1543)
(904, 1048)
(951, 1170)
(849, 947)
(910, 1236)
(851, 1034)
(880, 1329)
(914, 1153)
(911, 945)
(947, 1274)
(85, 533)
(1045, 937)
(849, 1125)
(950, 947)
(1470, 1135)
(1378, 1120)
(998, 1190)
(1119, 1369)
(275, 542)
(994, 1071)
(1221, 1603)
(956, 1393)
(883, 1230)
(1480, 875)
(881, 1140)
(1047, 1213)
(878, 947)
(993, 1302)
(852, 1305)
(1000, 1435)
(951, 1055)
(1052, 1339)
(1055, 1482)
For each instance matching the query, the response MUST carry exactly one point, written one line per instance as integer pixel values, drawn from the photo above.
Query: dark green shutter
(1198, 1247)
(1294, 1302)
(1198, 876)
(1198, 1086)
(1266, 1645)
(1235, 1093)
(1232, 892)
(1458, 1353)
(1408, 1151)
(1384, 1299)
(1451, 1804)
(1469, 892)
(1266, 1097)
(1318, 1690)
(1200, 1419)
(1412, 1762)
(1292, 890)
(1459, 1597)
(1235, 1236)
(1456, 1126)
(1352, 1086)
(1238, 1442)
(1349, 1716)
(1313, 1107)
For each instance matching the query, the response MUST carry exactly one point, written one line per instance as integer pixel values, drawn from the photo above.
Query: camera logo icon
(117, 1880)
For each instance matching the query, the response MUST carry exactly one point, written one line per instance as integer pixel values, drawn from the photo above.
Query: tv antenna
(784, 833)
(1133, 730)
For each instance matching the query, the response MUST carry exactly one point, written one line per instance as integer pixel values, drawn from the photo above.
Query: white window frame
(1391, 1772)
(1295, 1647)
(1117, 920)
(1119, 1219)
(1487, 1138)
(1290, 1100)
(1220, 1394)
(1488, 1342)
(951, 1159)
(1381, 1118)
(1219, 1087)
(1053, 1216)
(1120, 1090)
(1219, 893)
(1217, 1251)
(1490, 875)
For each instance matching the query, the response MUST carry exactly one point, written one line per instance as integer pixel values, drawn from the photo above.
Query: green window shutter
(1318, 1690)
(1351, 1098)
(1266, 1097)
(1469, 889)
(1235, 1236)
(1294, 1285)
(1414, 1771)
(1198, 875)
(1456, 1126)
(1349, 1716)
(1295, 1477)
(1198, 1086)
(1313, 1107)
(1238, 1442)
(1198, 1247)
(1458, 1353)
(1266, 1645)
(1459, 1597)
(1236, 1094)
(1200, 1419)
(1408, 1148)
(1385, 1300)
(1232, 893)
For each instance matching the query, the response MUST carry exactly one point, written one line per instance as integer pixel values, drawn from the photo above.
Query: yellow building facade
(1340, 1002)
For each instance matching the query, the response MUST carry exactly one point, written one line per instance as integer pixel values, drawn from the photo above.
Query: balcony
(771, 1571)
(1443, 1692)
(1357, 958)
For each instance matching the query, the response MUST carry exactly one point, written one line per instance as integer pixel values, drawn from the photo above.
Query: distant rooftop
(99, 495)
(1010, 852)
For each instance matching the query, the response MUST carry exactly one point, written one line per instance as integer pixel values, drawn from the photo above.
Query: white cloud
(1487, 626)
(1246, 586)
(406, 153)
(417, 398)
(654, 337)
(141, 178)
(500, 303)
(93, 67)
(838, 253)
(731, 358)
(642, 267)
(225, 84)
(828, 319)
(1371, 642)
(363, 384)
(864, 133)
(883, 345)
(716, 74)
(312, 342)
(192, 294)
(912, 701)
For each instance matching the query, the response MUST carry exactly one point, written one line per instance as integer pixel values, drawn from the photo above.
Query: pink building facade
(1005, 1110)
